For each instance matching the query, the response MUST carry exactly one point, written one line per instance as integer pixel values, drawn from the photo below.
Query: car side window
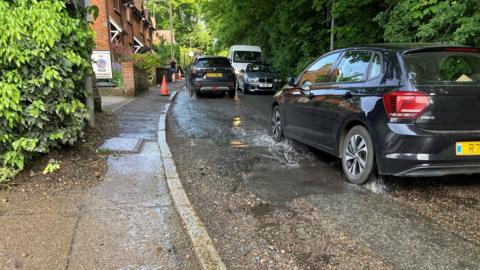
(318, 72)
(376, 69)
(353, 67)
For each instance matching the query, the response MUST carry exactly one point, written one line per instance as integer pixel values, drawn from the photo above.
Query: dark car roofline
(405, 48)
(210, 57)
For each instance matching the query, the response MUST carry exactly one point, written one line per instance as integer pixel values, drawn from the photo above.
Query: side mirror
(306, 86)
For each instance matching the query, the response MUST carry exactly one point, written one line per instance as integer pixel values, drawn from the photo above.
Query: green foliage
(45, 50)
(52, 166)
(164, 52)
(293, 33)
(185, 18)
(446, 21)
(146, 61)
(6, 176)
(117, 77)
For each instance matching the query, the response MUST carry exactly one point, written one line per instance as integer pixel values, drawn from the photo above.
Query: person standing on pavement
(173, 70)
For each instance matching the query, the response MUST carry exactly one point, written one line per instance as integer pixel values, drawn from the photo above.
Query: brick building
(123, 27)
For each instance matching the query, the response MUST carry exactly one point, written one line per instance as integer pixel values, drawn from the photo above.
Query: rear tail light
(405, 104)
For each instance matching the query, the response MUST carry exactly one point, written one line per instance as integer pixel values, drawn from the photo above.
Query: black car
(391, 109)
(211, 74)
(258, 78)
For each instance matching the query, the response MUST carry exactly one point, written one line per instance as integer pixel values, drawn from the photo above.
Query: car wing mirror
(306, 86)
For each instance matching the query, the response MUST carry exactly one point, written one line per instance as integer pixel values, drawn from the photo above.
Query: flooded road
(283, 205)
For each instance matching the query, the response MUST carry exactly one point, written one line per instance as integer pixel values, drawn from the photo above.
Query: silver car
(258, 78)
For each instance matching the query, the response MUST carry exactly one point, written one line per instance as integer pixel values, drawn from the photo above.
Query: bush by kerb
(45, 49)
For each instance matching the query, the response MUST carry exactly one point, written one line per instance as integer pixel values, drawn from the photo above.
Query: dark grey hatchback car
(391, 109)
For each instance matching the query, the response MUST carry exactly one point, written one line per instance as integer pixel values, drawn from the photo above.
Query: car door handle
(348, 95)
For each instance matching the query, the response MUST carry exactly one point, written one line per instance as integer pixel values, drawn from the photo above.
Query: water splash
(285, 152)
(376, 184)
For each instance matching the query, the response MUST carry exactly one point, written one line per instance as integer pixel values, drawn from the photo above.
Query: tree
(447, 21)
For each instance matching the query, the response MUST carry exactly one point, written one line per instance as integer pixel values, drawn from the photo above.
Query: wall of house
(135, 79)
(100, 26)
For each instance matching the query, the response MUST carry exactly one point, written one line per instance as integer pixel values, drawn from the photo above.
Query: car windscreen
(259, 68)
(212, 62)
(443, 68)
(247, 57)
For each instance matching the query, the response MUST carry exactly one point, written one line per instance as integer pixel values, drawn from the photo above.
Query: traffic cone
(164, 89)
(179, 75)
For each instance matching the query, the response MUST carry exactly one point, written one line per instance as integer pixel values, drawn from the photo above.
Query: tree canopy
(292, 33)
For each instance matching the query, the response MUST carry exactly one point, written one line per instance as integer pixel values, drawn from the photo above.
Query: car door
(298, 99)
(340, 97)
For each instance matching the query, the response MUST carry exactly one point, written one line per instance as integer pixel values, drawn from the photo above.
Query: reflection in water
(236, 122)
(238, 144)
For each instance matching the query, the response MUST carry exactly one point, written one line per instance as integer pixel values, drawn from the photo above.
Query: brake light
(405, 104)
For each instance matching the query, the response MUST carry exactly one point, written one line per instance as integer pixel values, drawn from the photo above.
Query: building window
(116, 5)
(129, 14)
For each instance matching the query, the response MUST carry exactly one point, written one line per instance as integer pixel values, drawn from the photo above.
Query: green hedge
(45, 49)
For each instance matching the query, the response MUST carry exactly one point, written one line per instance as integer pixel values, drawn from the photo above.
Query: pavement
(128, 221)
(284, 205)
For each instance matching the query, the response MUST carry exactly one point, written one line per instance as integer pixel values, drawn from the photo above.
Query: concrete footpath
(126, 222)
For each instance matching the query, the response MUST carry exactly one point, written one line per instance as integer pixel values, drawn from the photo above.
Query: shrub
(45, 52)
(146, 61)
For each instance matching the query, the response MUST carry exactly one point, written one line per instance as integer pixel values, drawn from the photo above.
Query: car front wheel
(277, 124)
(358, 157)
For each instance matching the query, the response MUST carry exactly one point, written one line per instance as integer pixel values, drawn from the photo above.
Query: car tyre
(246, 89)
(196, 93)
(358, 156)
(277, 124)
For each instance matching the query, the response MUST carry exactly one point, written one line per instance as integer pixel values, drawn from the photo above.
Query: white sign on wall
(102, 64)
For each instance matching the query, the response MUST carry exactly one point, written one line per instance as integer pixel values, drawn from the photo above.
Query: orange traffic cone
(179, 75)
(164, 89)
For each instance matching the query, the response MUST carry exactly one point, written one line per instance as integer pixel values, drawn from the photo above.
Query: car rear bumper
(412, 151)
(424, 170)
(209, 86)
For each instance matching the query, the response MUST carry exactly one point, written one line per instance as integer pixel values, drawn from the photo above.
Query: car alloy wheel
(358, 155)
(277, 126)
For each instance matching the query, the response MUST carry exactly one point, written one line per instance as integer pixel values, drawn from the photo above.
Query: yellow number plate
(468, 148)
(214, 75)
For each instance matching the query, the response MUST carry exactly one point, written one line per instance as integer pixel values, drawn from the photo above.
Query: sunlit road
(281, 205)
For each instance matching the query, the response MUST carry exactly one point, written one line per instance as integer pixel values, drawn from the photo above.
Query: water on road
(226, 154)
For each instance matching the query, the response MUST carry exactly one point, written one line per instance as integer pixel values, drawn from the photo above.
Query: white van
(241, 55)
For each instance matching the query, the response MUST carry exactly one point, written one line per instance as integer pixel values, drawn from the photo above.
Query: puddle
(283, 184)
(238, 144)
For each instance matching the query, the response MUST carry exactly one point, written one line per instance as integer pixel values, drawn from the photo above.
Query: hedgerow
(45, 52)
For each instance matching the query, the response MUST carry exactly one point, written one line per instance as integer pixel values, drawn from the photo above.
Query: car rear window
(213, 62)
(247, 57)
(443, 68)
(259, 68)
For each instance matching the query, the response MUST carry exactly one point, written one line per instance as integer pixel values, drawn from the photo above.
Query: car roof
(245, 48)
(210, 57)
(405, 47)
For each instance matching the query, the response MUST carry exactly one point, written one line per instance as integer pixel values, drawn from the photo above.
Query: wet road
(286, 205)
